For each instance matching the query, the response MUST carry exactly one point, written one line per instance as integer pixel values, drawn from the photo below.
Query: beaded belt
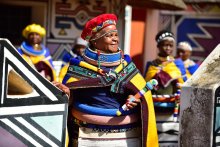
(164, 98)
(168, 101)
(90, 133)
(106, 128)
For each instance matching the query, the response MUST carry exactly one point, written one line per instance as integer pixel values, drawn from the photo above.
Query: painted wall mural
(33, 112)
(68, 18)
(202, 32)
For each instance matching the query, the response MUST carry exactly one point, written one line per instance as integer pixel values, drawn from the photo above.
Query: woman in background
(184, 51)
(35, 53)
(170, 74)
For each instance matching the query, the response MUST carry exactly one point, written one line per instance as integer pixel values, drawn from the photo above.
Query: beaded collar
(166, 59)
(28, 49)
(102, 59)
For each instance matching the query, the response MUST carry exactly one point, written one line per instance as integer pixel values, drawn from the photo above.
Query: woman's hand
(132, 102)
(62, 87)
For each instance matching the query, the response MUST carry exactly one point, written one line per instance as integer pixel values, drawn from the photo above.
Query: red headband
(96, 24)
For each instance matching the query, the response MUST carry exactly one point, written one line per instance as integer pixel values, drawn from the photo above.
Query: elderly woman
(101, 82)
(35, 53)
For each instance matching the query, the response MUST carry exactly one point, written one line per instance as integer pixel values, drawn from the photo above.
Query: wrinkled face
(183, 54)
(109, 40)
(34, 38)
(166, 48)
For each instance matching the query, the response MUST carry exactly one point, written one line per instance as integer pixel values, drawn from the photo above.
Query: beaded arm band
(149, 86)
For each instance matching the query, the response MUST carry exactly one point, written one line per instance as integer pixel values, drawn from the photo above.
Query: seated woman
(35, 53)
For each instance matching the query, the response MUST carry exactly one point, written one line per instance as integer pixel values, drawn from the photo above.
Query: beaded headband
(104, 34)
(96, 24)
(184, 46)
(164, 36)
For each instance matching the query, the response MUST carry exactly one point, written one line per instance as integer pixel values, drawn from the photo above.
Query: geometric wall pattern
(33, 112)
(67, 20)
(201, 31)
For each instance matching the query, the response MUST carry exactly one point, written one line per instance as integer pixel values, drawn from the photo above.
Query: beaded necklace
(165, 60)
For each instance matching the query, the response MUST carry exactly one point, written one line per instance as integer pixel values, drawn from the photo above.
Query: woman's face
(166, 48)
(183, 54)
(109, 42)
(34, 38)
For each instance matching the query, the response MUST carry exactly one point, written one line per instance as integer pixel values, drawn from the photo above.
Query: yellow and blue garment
(99, 94)
(169, 74)
(39, 59)
(66, 59)
(191, 67)
(166, 71)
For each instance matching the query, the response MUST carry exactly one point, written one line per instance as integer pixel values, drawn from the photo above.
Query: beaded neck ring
(28, 49)
(101, 59)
